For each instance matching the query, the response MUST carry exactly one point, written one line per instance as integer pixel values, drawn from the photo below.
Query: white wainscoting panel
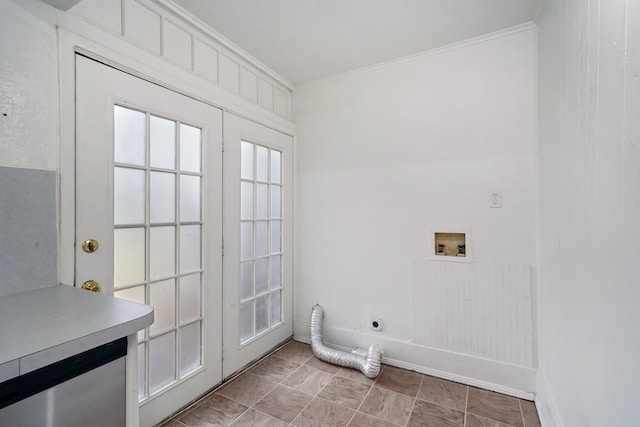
(248, 85)
(479, 309)
(163, 28)
(142, 26)
(205, 60)
(105, 13)
(229, 74)
(265, 94)
(280, 104)
(176, 44)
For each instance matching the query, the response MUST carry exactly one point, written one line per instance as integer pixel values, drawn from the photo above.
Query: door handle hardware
(90, 246)
(92, 285)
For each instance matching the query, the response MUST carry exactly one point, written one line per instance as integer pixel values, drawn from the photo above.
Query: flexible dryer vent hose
(368, 364)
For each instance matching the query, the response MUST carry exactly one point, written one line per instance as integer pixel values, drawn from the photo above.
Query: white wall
(391, 154)
(28, 86)
(589, 102)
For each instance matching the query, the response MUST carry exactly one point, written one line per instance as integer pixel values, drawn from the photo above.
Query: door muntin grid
(158, 240)
(260, 240)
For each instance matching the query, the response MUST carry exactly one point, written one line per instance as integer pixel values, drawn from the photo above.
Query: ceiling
(307, 40)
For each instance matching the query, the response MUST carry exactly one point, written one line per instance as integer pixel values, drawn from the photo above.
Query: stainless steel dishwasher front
(83, 390)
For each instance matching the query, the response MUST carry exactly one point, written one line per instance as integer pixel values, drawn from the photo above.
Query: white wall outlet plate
(375, 325)
(495, 199)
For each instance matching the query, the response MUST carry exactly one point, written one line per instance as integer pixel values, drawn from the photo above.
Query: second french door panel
(258, 270)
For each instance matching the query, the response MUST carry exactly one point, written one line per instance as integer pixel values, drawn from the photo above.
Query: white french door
(149, 192)
(258, 269)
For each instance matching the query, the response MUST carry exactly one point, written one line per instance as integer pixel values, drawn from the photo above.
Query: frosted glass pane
(246, 321)
(162, 252)
(262, 163)
(276, 307)
(128, 255)
(128, 196)
(141, 371)
(162, 198)
(190, 148)
(246, 280)
(132, 294)
(262, 275)
(276, 271)
(262, 238)
(189, 248)
(246, 200)
(162, 297)
(276, 205)
(162, 146)
(162, 361)
(276, 246)
(190, 297)
(262, 200)
(136, 295)
(246, 160)
(129, 136)
(189, 198)
(190, 348)
(276, 158)
(246, 240)
(262, 314)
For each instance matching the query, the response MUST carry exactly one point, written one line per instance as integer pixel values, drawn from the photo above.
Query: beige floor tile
(529, 414)
(247, 389)
(443, 392)
(294, 388)
(478, 421)
(345, 392)
(308, 380)
(323, 413)
(174, 423)
(388, 405)
(364, 420)
(430, 414)
(494, 406)
(314, 362)
(253, 418)
(216, 410)
(275, 369)
(284, 403)
(400, 380)
(355, 375)
(296, 352)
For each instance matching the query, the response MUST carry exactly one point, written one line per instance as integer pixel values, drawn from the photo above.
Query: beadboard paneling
(479, 309)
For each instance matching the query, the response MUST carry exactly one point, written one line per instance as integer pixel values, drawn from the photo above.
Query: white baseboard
(517, 381)
(545, 405)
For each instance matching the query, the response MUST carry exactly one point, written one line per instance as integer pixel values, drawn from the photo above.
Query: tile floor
(293, 388)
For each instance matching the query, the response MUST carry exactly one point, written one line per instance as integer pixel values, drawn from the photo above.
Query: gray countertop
(43, 326)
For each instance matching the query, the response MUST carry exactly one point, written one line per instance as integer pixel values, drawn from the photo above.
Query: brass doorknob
(90, 246)
(92, 285)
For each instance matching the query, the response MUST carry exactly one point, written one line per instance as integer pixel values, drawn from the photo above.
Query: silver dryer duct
(368, 363)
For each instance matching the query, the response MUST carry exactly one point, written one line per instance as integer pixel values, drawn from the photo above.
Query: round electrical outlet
(375, 324)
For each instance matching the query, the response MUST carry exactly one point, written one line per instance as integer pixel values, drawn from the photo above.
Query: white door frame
(119, 54)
